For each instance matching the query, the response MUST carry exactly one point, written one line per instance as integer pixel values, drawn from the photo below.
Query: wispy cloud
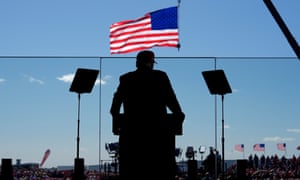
(103, 80)
(235, 90)
(277, 139)
(2, 80)
(33, 80)
(226, 126)
(293, 130)
(68, 78)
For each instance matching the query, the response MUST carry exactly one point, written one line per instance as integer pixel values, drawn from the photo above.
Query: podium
(175, 123)
(217, 84)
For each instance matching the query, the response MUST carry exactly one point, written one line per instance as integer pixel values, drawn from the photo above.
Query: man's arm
(177, 115)
(115, 110)
(172, 101)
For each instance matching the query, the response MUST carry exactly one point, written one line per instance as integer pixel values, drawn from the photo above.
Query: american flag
(157, 28)
(46, 154)
(281, 146)
(239, 147)
(259, 147)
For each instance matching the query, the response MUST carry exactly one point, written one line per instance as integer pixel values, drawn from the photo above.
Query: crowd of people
(269, 167)
(48, 174)
(253, 168)
(264, 167)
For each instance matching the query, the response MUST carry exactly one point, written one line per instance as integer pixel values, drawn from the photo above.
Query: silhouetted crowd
(264, 167)
(46, 174)
(36, 174)
(269, 167)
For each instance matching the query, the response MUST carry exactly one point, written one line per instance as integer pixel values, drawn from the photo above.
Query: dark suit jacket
(146, 96)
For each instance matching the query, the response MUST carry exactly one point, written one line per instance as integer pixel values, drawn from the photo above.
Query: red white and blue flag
(239, 147)
(259, 147)
(157, 28)
(45, 157)
(281, 146)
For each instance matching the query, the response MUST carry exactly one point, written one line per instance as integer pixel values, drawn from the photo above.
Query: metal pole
(283, 27)
(223, 139)
(216, 129)
(78, 122)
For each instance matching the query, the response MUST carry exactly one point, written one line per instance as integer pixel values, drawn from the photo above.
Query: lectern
(217, 84)
(83, 82)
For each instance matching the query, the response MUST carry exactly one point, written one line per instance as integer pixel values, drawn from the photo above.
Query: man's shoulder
(134, 74)
(127, 74)
(159, 72)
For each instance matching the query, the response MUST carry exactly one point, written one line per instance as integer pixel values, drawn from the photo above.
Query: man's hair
(144, 57)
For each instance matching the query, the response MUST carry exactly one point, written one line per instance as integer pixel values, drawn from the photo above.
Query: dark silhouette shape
(83, 82)
(146, 132)
(6, 170)
(217, 83)
(210, 163)
(292, 41)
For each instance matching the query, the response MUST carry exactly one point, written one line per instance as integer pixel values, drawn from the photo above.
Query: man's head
(145, 59)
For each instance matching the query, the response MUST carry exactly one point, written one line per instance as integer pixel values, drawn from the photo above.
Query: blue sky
(43, 43)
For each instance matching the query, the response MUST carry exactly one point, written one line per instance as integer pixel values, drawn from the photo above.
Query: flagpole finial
(178, 3)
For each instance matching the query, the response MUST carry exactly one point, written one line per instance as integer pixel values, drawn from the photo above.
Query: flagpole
(179, 1)
(285, 152)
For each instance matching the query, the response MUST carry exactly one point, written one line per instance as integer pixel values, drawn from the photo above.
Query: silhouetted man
(209, 163)
(146, 135)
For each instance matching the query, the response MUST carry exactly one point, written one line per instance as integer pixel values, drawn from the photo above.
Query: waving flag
(47, 153)
(281, 146)
(239, 147)
(157, 28)
(259, 147)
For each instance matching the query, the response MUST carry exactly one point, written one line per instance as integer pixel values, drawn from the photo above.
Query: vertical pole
(179, 1)
(78, 122)
(100, 109)
(223, 139)
(216, 129)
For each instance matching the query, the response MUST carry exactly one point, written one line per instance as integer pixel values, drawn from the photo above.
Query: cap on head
(144, 57)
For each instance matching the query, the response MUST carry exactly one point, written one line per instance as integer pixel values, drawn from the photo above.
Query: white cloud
(293, 130)
(2, 80)
(235, 90)
(104, 79)
(34, 80)
(226, 126)
(68, 78)
(277, 139)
